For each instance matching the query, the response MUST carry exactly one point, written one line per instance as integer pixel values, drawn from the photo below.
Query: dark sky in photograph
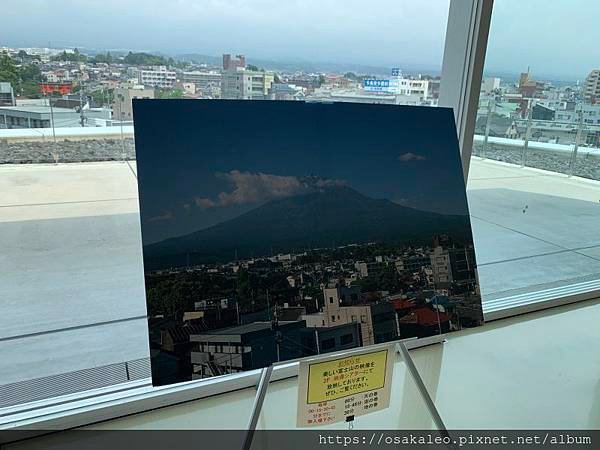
(202, 163)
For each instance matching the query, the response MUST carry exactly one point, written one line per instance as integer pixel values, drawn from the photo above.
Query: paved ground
(532, 229)
(70, 255)
(72, 290)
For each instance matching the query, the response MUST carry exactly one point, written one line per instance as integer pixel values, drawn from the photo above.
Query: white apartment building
(58, 76)
(361, 96)
(242, 84)
(490, 84)
(157, 76)
(408, 86)
(398, 85)
(590, 113)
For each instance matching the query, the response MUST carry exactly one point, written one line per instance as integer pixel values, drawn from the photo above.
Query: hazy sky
(384, 32)
(219, 159)
(554, 37)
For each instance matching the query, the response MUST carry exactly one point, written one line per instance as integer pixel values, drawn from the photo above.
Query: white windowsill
(90, 407)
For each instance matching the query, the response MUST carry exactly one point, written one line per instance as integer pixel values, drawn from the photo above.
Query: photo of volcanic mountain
(331, 215)
(297, 228)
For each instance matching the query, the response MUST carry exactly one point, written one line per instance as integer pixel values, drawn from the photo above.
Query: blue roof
(440, 300)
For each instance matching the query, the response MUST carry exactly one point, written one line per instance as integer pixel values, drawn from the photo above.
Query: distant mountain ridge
(314, 66)
(333, 215)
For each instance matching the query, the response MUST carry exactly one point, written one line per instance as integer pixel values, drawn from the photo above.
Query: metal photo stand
(265, 377)
(412, 369)
(261, 392)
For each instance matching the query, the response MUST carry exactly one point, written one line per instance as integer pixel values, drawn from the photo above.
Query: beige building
(209, 83)
(591, 91)
(452, 265)
(243, 84)
(188, 88)
(334, 314)
(441, 265)
(122, 109)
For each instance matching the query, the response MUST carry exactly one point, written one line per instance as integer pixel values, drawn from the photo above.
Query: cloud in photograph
(167, 215)
(405, 157)
(251, 188)
(204, 203)
(254, 188)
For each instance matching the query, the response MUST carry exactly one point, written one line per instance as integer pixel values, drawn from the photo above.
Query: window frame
(462, 67)
(462, 72)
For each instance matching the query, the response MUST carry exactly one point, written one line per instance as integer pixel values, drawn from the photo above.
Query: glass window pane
(69, 194)
(535, 151)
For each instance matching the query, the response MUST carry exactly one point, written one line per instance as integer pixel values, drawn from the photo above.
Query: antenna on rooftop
(81, 91)
(55, 153)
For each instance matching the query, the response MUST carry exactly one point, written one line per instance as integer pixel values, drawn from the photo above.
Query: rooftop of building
(425, 317)
(36, 109)
(243, 329)
(45, 134)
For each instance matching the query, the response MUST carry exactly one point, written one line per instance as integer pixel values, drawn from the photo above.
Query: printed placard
(337, 389)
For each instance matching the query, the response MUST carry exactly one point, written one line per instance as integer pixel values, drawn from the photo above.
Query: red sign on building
(56, 88)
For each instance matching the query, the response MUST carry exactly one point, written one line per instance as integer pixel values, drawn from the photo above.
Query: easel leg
(437, 419)
(261, 392)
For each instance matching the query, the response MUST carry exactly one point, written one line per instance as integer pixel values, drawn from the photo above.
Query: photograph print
(280, 230)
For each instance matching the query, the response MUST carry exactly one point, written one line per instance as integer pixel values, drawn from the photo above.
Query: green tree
(31, 73)
(389, 279)
(368, 284)
(103, 96)
(103, 58)
(30, 76)
(75, 56)
(181, 64)
(145, 59)
(169, 93)
(9, 72)
(29, 89)
(24, 79)
(243, 287)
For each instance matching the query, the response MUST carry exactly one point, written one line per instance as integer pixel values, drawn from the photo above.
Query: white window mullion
(462, 67)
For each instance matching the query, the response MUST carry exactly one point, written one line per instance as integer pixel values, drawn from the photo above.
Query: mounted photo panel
(282, 230)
